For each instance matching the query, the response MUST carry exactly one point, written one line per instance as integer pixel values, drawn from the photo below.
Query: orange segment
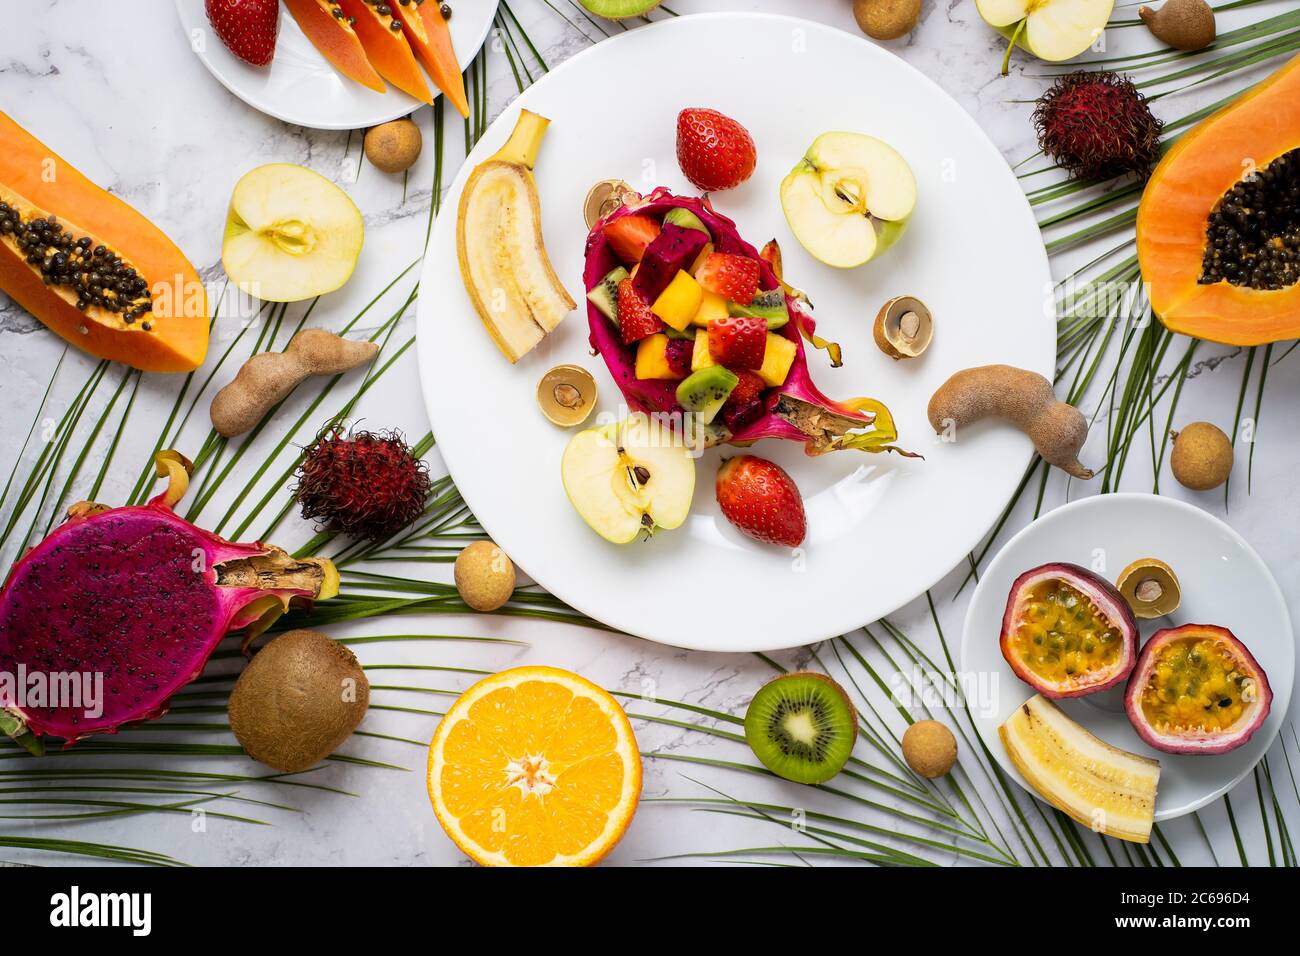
(534, 766)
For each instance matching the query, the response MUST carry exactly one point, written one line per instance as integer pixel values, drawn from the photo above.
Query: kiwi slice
(706, 391)
(769, 305)
(681, 216)
(620, 9)
(802, 726)
(604, 294)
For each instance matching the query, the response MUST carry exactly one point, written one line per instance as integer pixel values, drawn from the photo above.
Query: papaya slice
(386, 47)
(427, 32)
(327, 27)
(1218, 227)
(94, 270)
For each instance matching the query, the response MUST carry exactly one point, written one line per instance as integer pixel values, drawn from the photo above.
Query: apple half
(291, 234)
(1051, 30)
(629, 477)
(849, 198)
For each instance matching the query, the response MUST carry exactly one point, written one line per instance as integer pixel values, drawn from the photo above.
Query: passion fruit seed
(929, 748)
(393, 147)
(1202, 456)
(1063, 633)
(1253, 234)
(485, 576)
(95, 273)
(1194, 685)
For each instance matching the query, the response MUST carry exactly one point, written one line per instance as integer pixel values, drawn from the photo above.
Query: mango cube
(702, 357)
(652, 358)
(778, 356)
(712, 306)
(679, 301)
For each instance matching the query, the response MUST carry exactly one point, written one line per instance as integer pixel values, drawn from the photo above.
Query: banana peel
(503, 260)
(1109, 790)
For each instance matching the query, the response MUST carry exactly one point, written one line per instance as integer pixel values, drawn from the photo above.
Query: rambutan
(1097, 126)
(365, 484)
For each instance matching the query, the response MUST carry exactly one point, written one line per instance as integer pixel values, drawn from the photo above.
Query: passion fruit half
(1197, 690)
(1067, 632)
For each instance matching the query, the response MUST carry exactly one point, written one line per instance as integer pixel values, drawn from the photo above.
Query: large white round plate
(881, 529)
(300, 86)
(1223, 581)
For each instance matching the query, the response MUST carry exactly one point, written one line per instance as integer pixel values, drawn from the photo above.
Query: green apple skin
(1088, 32)
(595, 478)
(290, 234)
(847, 237)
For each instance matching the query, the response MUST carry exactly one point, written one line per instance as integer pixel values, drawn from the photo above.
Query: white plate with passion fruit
(300, 85)
(1217, 579)
(880, 528)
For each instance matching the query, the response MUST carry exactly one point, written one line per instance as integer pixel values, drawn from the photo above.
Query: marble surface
(115, 89)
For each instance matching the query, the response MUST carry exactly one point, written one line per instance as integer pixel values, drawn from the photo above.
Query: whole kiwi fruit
(298, 699)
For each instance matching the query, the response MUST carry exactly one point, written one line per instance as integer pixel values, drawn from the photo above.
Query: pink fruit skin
(661, 396)
(1104, 594)
(1218, 743)
(130, 593)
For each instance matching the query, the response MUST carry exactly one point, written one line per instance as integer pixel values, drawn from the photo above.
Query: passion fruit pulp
(1067, 632)
(1197, 690)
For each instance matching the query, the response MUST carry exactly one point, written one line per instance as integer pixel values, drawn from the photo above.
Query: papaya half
(1218, 227)
(94, 270)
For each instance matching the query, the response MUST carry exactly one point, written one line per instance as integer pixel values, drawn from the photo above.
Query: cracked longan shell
(298, 699)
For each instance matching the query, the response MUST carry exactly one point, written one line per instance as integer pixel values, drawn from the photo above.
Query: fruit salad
(692, 320)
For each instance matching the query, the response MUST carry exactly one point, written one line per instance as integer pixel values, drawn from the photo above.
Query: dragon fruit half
(796, 410)
(135, 599)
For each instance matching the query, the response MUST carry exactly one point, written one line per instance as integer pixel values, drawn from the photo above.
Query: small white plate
(881, 529)
(1223, 582)
(300, 86)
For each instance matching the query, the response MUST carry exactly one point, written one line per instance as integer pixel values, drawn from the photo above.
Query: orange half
(535, 766)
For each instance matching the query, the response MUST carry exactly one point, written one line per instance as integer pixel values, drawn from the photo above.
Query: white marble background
(114, 88)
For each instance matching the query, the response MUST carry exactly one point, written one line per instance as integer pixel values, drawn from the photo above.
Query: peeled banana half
(503, 261)
(1109, 790)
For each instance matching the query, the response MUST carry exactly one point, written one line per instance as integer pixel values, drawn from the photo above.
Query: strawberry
(714, 151)
(738, 341)
(635, 320)
(629, 235)
(760, 499)
(247, 27)
(745, 403)
(730, 276)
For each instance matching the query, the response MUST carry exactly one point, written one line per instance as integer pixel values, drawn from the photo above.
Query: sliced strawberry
(745, 403)
(247, 27)
(760, 499)
(714, 151)
(738, 341)
(730, 276)
(635, 320)
(629, 235)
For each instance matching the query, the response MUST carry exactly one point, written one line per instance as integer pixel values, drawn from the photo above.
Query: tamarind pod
(269, 377)
(1024, 398)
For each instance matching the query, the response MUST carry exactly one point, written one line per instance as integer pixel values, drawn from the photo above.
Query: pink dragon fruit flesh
(135, 599)
(796, 410)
